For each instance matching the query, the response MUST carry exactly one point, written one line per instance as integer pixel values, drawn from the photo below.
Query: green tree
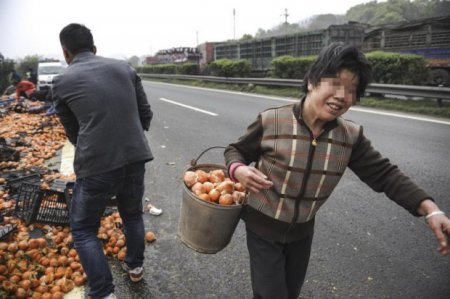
(260, 33)
(392, 11)
(6, 68)
(30, 61)
(246, 37)
(134, 61)
(324, 21)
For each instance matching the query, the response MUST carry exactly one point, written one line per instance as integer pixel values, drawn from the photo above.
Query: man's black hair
(76, 38)
(335, 58)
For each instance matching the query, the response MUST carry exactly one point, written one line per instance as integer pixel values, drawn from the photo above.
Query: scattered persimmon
(150, 236)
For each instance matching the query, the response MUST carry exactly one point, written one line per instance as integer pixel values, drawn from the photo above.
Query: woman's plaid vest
(304, 175)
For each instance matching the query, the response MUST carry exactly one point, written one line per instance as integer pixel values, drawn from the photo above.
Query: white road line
(189, 107)
(437, 121)
(425, 119)
(254, 95)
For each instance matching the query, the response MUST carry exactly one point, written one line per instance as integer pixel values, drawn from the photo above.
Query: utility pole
(196, 34)
(234, 24)
(286, 15)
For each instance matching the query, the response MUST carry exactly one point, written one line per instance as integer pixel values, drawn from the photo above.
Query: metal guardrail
(431, 92)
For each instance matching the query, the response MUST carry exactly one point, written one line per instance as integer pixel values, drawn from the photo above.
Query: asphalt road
(365, 246)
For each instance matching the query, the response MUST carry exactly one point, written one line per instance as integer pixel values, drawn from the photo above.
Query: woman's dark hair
(335, 58)
(76, 38)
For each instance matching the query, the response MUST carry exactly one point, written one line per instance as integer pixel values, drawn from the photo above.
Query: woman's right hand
(252, 179)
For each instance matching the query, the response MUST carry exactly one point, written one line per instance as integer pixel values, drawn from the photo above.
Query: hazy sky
(142, 27)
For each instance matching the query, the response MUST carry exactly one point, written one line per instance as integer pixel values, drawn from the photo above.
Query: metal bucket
(203, 226)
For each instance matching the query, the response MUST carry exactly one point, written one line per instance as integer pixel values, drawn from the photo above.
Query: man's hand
(252, 179)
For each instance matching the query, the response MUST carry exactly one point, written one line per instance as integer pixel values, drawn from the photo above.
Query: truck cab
(46, 72)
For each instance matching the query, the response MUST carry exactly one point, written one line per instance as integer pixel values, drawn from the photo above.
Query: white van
(46, 72)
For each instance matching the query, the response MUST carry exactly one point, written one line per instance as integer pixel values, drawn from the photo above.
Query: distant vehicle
(175, 56)
(261, 52)
(47, 70)
(428, 37)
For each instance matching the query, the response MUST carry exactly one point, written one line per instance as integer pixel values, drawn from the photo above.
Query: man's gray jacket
(104, 110)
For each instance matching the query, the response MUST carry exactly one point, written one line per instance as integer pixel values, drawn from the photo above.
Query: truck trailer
(429, 38)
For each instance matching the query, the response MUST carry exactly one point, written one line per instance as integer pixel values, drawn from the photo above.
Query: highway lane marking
(437, 121)
(189, 107)
(292, 100)
(431, 120)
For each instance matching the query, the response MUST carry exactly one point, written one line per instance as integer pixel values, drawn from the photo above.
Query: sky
(122, 29)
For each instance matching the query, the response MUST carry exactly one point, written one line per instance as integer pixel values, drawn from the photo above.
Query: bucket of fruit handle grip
(203, 226)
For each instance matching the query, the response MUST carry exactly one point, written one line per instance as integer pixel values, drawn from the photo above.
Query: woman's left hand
(440, 225)
(438, 222)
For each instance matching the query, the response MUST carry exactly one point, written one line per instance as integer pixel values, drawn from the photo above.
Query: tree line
(372, 13)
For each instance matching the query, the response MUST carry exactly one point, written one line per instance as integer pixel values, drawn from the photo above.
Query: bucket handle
(194, 161)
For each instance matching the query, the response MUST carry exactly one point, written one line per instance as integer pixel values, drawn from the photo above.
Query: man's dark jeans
(88, 203)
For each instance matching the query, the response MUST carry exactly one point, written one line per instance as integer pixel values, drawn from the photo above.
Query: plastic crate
(6, 212)
(8, 154)
(13, 185)
(6, 230)
(13, 141)
(16, 174)
(26, 201)
(52, 208)
(44, 206)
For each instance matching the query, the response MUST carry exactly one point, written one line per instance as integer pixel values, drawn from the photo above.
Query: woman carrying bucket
(301, 152)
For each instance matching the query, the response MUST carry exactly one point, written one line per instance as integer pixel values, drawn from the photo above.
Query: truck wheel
(439, 77)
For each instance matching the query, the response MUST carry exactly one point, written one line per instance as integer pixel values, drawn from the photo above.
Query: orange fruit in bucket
(211, 186)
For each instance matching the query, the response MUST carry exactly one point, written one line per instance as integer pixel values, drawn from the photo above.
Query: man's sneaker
(135, 274)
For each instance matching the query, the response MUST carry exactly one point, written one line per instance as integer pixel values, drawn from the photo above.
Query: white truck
(47, 70)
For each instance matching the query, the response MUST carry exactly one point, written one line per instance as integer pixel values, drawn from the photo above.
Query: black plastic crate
(52, 208)
(13, 141)
(8, 154)
(44, 206)
(13, 185)
(16, 174)
(27, 202)
(9, 211)
(6, 230)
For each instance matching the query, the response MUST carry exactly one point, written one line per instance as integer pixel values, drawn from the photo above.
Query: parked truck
(260, 52)
(429, 38)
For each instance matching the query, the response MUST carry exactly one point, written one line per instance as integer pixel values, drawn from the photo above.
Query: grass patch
(423, 107)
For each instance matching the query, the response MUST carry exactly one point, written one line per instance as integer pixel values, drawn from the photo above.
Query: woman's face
(332, 97)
